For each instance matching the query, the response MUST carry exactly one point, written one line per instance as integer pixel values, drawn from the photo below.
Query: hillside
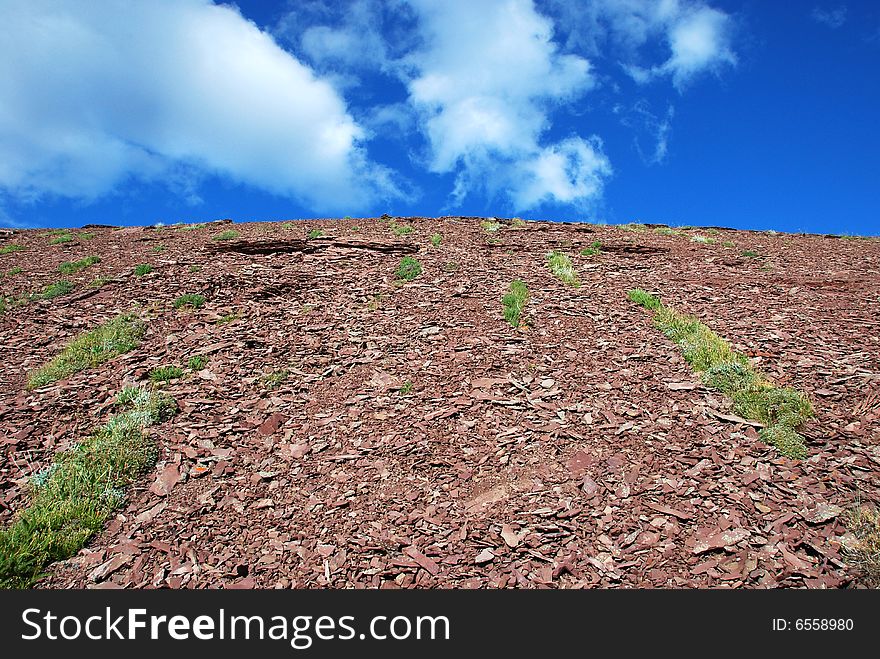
(344, 427)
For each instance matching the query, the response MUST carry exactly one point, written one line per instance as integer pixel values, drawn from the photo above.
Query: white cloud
(697, 37)
(95, 93)
(484, 83)
(833, 18)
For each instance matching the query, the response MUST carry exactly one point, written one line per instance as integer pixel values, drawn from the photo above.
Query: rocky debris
(350, 431)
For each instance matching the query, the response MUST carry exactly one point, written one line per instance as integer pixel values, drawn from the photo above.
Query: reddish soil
(581, 451)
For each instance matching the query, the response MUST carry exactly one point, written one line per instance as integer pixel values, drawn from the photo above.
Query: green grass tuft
(436, 239)
(197, 362)
(315, 233)
(165, 373)
(143, 269)
(402, 229)
(72, 267)
(227, 235)
(562, 268)
(54, 290)
(9, 249)
(786, 439)
(116, 336)
(73, 497)
(490, 226)
(644, 299)
(408, 269)
(593, 249)
(750, 254)
(63, 238)
(514, 302)
(189, 300)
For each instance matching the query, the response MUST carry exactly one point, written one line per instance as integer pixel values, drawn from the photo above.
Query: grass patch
(782, 410)
(190, 300)
(490, 226)
(518, 223)
(61, 239)
(116, 336)
(667, 231)
(54, 290)
(514, 302)
(190, 227)
(408, 269)
(402, 229)
(864, 551)
(228, 318)
(227, 235)
(143, 269)
(562, 268)
(197, 362)
(158, 249)
(85, 236)
(9, 249)
(72, 498)
(274, 379)
(315, 233)
(634, 226)
(644, 299)
(750, 254)
(728, 243)
(97, 282)
(593, 249)
(436, 239)
(406, 388)
(451, 266)
(72, 267)
(12, 272)
(704, 240)
(165, 373)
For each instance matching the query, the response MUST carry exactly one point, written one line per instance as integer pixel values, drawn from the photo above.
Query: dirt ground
(349, 431)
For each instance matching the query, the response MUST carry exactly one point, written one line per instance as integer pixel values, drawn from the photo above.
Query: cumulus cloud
(483, 83)
(96, 93)
(696, 36)
(833, 18)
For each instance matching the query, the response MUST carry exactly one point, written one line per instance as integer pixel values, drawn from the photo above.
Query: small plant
(9, 249)
(408, 269)
(863, 552)
(97, 282)
(644, 299)
(197, 362)
(562, 268)
(490, 226)
(375, 302)
(667, 231)
(634, 226)
(402, 229)
(518, 223)
(195, 268)
(228, 318)
(73, 498)
(728, 243)
(165, 373)
(116, 336)
(57, 289)
(189, 300)
(315, 233)
(703, 240)
(158, 249)
(273, 379)
(227, 235)
(85, 236)
(514, 302)
(14, 271)
(190, 227)
(71, 267)
(451, 266)
(62, 238)
(143, 269)
(750, 254)
(436, 239)
(406, 388)
(593, 249)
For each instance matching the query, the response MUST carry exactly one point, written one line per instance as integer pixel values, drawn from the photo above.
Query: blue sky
(700, 112)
